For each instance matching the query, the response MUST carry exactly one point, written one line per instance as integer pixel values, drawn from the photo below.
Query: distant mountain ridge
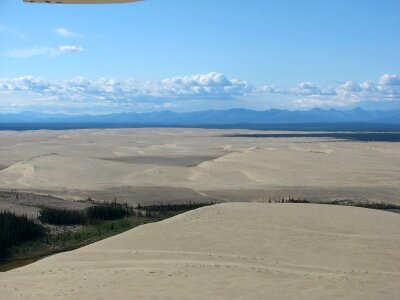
(215, 117)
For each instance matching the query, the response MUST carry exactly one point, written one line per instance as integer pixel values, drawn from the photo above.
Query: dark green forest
(15, 229)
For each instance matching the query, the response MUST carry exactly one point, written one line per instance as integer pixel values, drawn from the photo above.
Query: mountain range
(215, 117)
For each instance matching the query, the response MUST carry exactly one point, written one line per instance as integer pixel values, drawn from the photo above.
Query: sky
(186, 55)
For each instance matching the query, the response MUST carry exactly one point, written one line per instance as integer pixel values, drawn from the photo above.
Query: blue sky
(187, 55)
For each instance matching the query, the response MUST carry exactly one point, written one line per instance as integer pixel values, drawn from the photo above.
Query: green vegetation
(98, 212)
(108, 211)
(372, 205)
(58, 216)
(168, 209)
(292, 200)
(35, 249)
(16, 229)
(346, 202)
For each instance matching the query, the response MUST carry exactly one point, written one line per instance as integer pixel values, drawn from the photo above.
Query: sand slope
(230, 251)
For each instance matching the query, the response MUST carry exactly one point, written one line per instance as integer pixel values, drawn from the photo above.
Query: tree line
(15, 229)
(173, 207)
(98, 212)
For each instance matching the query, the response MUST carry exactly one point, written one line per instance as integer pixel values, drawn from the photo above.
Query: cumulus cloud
(212, 85)
(212, 90)
(308, 94)
(42, 51)
(389, 80)
(66, 33)
(310, 88)
(166, 93)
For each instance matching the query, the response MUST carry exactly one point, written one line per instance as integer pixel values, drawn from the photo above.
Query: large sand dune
(203, 164)
(230, 251)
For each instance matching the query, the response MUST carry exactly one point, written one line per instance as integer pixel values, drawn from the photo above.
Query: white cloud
(310, 88)
(212, 85)
(167, 93)
(29, 52)
(389, 80)
(66, 33)
(70, 48)
(42, 51)
(308, 94)
(212, 90)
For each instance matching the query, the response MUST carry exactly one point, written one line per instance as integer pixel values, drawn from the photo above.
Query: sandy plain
(178, 165)
(230, 251)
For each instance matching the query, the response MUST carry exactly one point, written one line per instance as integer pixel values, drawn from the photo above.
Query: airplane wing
(80, 1)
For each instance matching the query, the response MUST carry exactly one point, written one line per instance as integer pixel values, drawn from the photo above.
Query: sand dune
(88, 162)
(52, 171)
(229, 251)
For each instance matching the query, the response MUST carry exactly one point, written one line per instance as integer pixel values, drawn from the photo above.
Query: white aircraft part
(80, 1)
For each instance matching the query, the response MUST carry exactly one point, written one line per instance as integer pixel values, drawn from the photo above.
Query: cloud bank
(385, 89)
(201, 91)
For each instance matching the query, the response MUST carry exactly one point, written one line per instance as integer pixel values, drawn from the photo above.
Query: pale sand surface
(29, 204)
(155, 165)
(230, 251)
